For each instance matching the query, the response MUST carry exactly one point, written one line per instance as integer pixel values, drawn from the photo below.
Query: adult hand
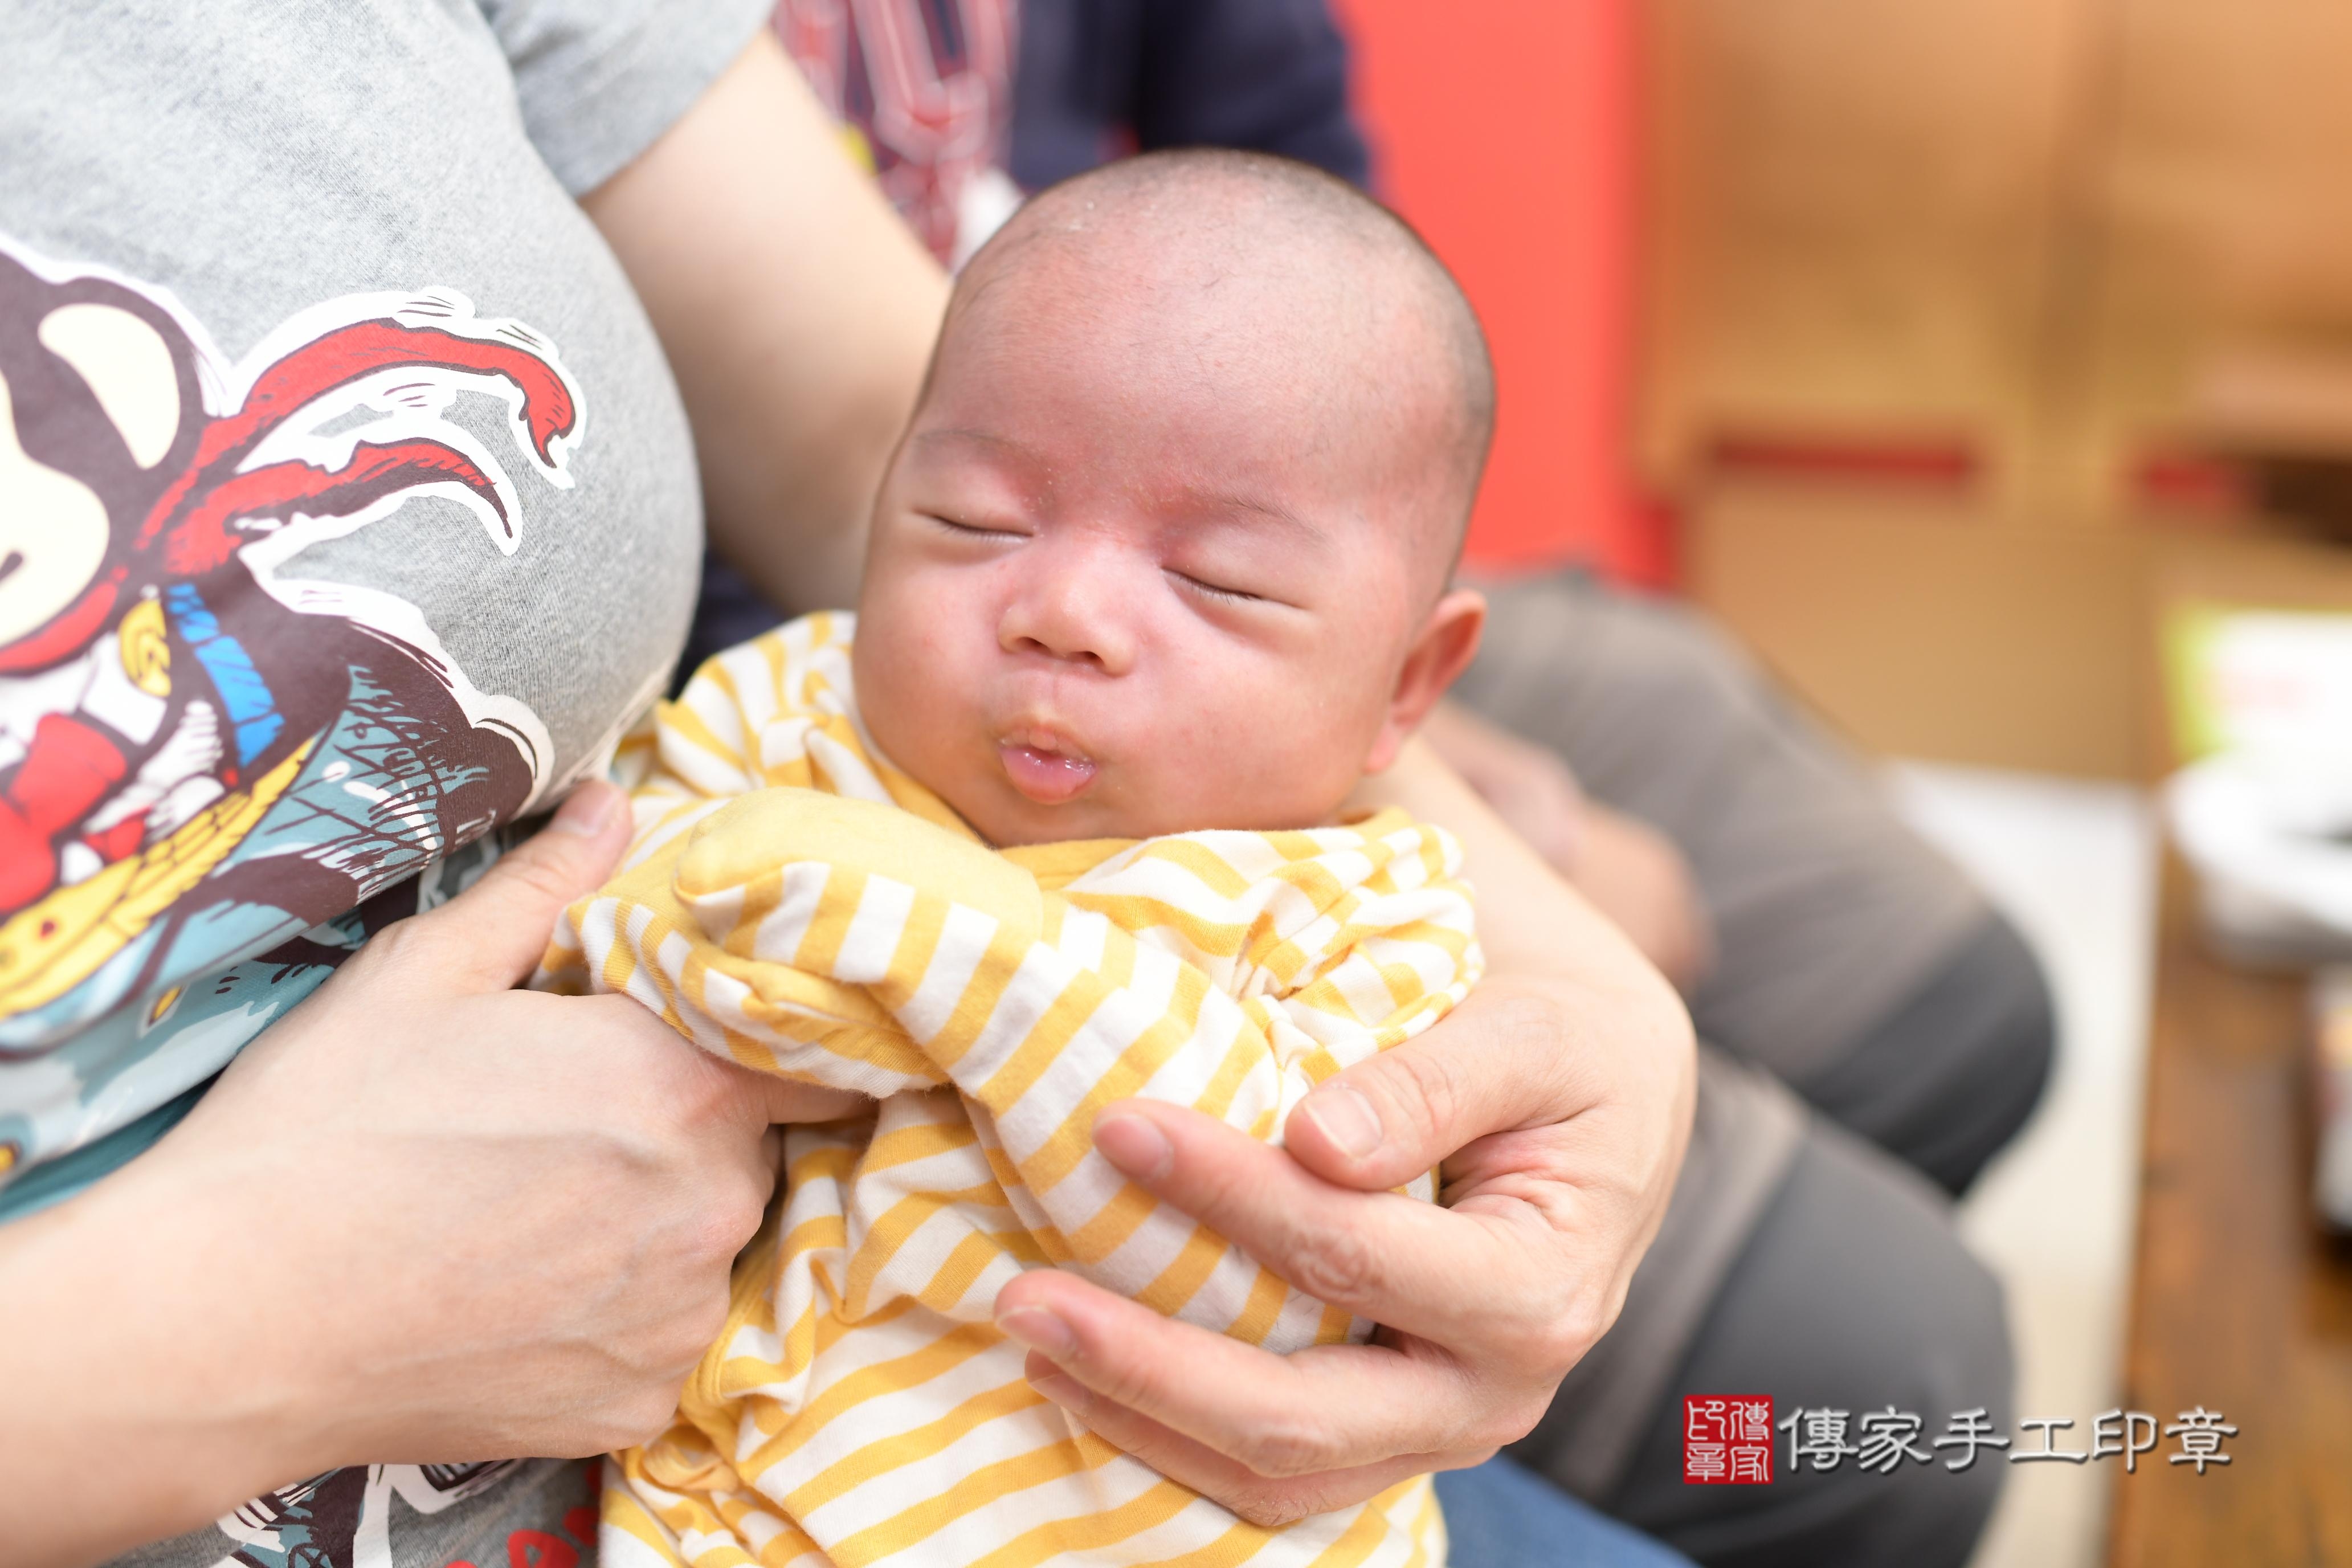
(427, 1217)
(1628, 870)
(1556, 1101)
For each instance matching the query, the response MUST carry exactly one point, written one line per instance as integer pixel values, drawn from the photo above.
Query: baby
(1158, 574)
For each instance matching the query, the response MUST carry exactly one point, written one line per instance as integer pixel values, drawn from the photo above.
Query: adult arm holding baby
(1555, 1101)
(1624, 868)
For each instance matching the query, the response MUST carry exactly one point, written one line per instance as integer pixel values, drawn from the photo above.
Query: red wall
(1503, 130)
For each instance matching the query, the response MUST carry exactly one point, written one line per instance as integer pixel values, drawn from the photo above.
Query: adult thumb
(1500, 1061)
(491, 936)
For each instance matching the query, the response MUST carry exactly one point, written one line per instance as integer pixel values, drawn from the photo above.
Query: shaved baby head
(1292, 263)
(1168, 544)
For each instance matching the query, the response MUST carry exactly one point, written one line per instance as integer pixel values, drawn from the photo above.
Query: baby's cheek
(913, 622)
(1281, 756)
(1343, 717)
(889, 661)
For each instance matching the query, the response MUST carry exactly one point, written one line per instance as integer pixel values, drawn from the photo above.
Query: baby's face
(1138, 569)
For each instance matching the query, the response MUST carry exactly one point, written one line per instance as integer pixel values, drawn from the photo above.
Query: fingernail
(587, 810)
(1135, 1145)
(1344, 1117)
(1039, 1330)
(1061, 1388)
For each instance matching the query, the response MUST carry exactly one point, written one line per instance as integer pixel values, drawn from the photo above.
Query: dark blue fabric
(1099, 77)
(1499, 1516)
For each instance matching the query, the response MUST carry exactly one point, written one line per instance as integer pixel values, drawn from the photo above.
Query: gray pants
(1874, 1032)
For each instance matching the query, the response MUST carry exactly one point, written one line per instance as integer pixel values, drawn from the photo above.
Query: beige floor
(2074, 865)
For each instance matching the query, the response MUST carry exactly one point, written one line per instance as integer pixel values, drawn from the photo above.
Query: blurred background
(1988, 368)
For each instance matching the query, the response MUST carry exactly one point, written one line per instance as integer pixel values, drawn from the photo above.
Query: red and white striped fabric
(927, 85)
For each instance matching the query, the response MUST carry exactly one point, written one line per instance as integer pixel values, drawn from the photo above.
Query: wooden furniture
(2035, 231)
(1971, 335)
(1922, 630)
(2239, 1304)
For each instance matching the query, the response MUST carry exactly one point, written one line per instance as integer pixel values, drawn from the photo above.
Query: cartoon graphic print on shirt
(203, 757)
(348, 1519)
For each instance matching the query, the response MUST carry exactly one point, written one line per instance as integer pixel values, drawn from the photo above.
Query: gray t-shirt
(347, 511)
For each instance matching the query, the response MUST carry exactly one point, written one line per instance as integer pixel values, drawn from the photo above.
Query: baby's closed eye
(989, 530)
(1217, 590)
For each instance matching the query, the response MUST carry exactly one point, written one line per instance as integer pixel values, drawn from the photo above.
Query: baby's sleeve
(845, 942)
(1402, 950)
(770, 712)
(1344, 942)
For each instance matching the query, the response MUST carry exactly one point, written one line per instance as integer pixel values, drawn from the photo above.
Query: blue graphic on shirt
(215, 782)
(241, 691)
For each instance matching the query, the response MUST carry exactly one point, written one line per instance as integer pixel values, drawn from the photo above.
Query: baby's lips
(1047, 777)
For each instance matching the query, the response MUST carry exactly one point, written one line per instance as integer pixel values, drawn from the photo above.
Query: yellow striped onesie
(847, 930)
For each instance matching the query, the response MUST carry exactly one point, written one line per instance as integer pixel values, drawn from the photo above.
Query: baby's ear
(1440, 651)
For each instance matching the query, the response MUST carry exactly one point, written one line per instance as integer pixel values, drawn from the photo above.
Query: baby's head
(1166, 544)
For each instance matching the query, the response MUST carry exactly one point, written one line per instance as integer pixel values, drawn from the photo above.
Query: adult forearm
(1560, 971)
(796, 311)
(319, 1266)
(1530, 920)
(135, 1403)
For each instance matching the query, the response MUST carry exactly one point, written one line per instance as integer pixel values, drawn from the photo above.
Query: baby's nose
(1076, 617)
